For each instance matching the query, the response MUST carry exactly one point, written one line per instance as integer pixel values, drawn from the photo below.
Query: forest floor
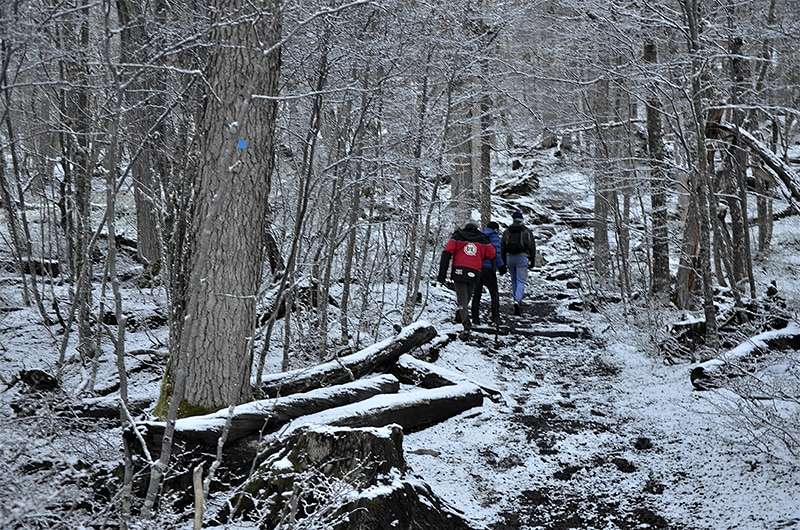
(596, 433)
(594, 430)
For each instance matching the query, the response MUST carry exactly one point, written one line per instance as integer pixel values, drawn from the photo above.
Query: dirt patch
(551, 509)
(567, 472)
(547, 420)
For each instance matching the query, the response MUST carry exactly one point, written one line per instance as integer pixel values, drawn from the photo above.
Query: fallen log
(103, 408)
(376, 358)
(268, 415)
(413, 371)
(707, 374)
(430, 352)
(763, 314)
(781, 171)
(413, 410)
(39, 266)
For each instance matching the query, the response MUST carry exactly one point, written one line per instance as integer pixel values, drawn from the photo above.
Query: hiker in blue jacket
(489, 277)
(518, 253)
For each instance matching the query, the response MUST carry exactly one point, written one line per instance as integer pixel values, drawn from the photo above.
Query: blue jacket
(494, 238)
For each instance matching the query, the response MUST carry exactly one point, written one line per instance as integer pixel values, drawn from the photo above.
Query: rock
(516, 165)
(39, 381)
(623, 465)
(643, 443)
(654, 487)
(521, 186)
(561, 275)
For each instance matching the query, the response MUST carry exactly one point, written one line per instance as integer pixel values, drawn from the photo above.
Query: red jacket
(468, 248)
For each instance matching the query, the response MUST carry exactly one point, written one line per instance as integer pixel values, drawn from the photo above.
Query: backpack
(515, 244)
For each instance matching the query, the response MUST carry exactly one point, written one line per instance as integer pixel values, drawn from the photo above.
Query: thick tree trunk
(368, 462)
(236, 135)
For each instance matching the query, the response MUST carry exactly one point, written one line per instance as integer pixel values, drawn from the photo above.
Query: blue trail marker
(241, 144)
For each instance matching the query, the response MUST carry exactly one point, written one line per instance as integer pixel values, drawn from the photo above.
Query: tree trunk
(133, 40)
(702, 186)
(658, 183)
(739, 159)
(461, 197)
(236, 135)
(486, 158)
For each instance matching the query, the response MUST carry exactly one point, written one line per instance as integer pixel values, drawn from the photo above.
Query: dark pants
(463, 295)
(488, 280)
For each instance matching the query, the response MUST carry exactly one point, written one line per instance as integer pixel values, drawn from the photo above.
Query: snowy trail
(593, 435)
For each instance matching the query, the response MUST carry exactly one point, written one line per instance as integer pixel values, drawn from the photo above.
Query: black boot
(517, 310)
(462, 317)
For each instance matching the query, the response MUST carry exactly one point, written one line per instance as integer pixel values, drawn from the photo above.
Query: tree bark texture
(228, 224)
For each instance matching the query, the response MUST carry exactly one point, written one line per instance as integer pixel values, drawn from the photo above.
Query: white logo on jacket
(471, 249)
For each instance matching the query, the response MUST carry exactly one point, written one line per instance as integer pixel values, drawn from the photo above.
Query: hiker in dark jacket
(488, 277)
(468, 248)
(518, 253)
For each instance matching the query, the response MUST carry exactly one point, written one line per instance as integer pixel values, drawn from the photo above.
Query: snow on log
(430, 352)
(785, 175)
(413, 371)
(268, 415)
(703, 374)
(413, 410)
(378, 357)
(104, 407)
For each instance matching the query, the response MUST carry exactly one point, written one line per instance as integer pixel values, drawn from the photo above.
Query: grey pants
(463, 296)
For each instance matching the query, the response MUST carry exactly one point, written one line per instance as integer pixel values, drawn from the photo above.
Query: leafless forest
(220, 236)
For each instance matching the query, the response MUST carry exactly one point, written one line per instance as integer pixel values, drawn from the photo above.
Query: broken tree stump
(339, 478)
(376, 358)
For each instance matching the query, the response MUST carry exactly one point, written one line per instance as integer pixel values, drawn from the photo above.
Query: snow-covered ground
(593, 432)
(601, 433)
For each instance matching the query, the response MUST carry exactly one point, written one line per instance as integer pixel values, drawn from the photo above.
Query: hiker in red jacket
(468, 248)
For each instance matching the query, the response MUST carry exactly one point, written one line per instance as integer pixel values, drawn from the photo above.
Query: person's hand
(503, 270)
